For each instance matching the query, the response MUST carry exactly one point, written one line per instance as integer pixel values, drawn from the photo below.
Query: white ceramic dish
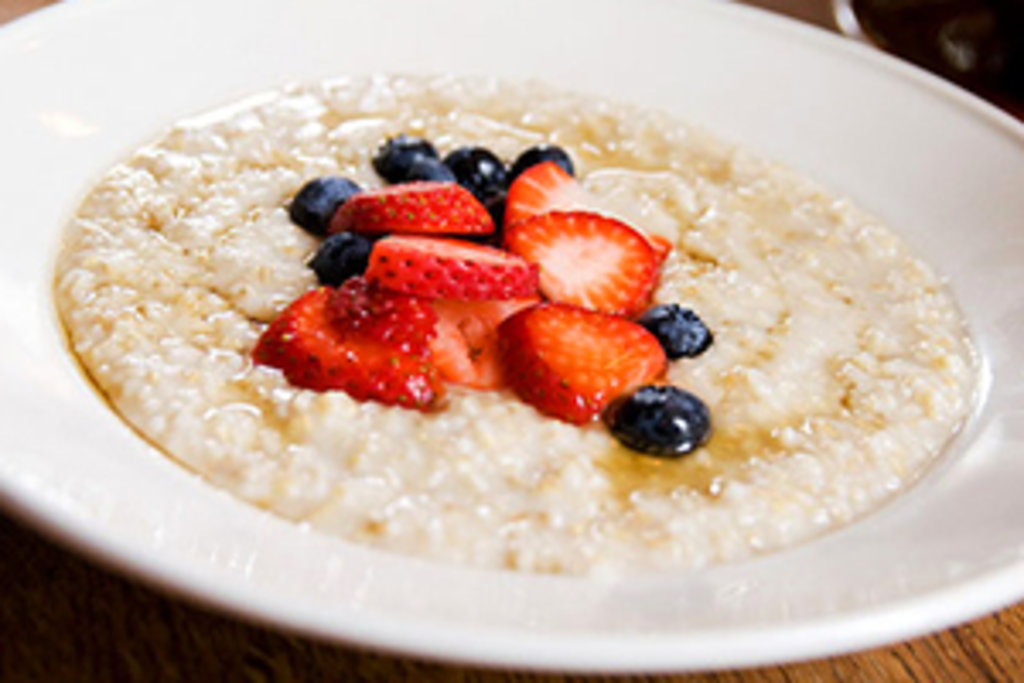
(86, 82)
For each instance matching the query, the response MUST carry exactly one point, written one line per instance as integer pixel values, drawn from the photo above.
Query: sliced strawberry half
(398, 320)
(465, 350)
(314, 352)
(542, 188)
(587, 260)
(662, 246)
(418, 208)
(570, 363)
(452, 269)
(546, 187)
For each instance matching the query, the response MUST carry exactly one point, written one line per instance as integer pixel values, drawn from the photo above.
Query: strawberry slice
(570, 363)
(587, 260)
(542, 188)
(418, 208)
(661, 246)
(453, 269)
(465, 350)
(314, 352)
(398, 320)
(546, 187)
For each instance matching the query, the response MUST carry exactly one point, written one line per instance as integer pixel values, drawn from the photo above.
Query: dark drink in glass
(977, 43)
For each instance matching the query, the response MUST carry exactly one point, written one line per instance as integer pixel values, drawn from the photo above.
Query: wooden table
(63, 619)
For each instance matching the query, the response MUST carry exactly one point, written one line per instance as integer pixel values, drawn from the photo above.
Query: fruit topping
(420, 208)
(318, 200)
(662, 246)
(444, 268)
(660, 420)
(414, 297)
(570, 363)
(495, 205)
(395, 157)
(478, 170)
(398, 320)
(538, 155)
(426, 168)
(465, 350)
(587, 260)
(339, 257)
(679, 330)
(313, 351)
(544, 188)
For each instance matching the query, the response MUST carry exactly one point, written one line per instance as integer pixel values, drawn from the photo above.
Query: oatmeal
(840, 366)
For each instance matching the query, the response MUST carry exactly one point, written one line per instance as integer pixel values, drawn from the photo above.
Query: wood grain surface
(63, 619)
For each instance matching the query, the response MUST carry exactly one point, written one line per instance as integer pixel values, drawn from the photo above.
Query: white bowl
(86, 82)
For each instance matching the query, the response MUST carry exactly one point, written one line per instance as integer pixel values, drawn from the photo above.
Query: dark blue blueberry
(665, 421)
(315, 204)
(679, 330)
(540, 154)
(495, 205)
(478, 170)
(396, 156)
(425, 168)
(341, 256)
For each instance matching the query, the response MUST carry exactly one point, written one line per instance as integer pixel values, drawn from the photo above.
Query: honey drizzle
(725, 457)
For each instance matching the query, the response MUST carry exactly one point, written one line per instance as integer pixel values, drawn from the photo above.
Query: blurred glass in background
(977, 43)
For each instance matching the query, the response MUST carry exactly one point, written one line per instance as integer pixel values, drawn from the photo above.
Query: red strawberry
(419, 208)
(570, 363)
(662, 246)
(444, 268)
(542, 188)
(316, 353)
(399, 320)
(546, 187)
(465, 349)
(587, 260)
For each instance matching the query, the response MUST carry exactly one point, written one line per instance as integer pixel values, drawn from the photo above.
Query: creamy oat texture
(840, 368)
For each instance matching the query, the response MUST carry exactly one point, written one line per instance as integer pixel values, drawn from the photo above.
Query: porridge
(840, 365)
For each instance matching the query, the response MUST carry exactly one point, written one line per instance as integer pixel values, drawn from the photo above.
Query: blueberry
(679, 330)
(341, 256)
(315, 204)
(540, 154)
(495, 205)
(425, 168)
(478, 170)
(665, 421)
(396, 156)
